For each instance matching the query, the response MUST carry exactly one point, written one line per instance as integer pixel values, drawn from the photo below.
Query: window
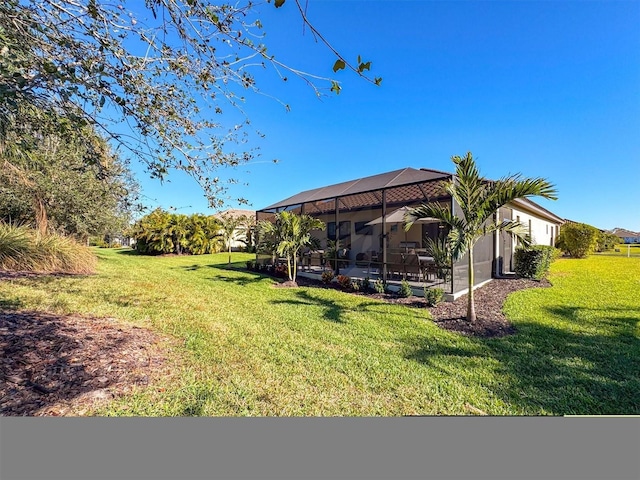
(363, 229)
(345, 230)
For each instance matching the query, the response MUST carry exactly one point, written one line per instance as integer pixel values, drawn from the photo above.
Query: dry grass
(24, 249)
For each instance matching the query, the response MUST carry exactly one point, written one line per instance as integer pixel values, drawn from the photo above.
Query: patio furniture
(362, 260)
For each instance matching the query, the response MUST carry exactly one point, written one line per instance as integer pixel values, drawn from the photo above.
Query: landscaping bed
(489, 300)
(56, 365)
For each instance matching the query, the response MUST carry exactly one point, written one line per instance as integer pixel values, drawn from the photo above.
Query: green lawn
(250, 349)
(624, 250)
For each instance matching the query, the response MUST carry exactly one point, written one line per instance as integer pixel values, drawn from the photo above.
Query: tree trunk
(295, 268)
(42, 220)
(471, 308)
(229, 244)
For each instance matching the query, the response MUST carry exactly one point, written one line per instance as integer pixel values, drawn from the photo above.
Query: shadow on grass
(331, 310)
(334, 310)
(130, 252)
(545, 369)
(10, 303)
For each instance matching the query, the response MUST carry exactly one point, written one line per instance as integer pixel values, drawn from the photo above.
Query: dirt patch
(489, 300)
(56, 365)
(287, 284)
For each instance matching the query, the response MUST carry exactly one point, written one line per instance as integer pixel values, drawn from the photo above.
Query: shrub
(365, 284)
(606, 241)
(534, 261)
(251, 265)
(379, 286)
(577, 239)
(281, 271)
(405, 289)
(327, 276)
(433, 296)
(344, 281)
(356, 285)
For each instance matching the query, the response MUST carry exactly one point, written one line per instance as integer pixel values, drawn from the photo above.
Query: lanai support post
(384, 235)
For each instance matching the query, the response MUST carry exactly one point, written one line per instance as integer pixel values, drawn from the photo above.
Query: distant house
(239, 242)
(362, 216)
(626, 236)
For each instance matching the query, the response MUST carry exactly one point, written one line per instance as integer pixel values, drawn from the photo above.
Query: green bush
(327, 276)
(606, 241)
(379, 286)
(534, 261)
(24, 249)
(577, 239)
(405, 289)
(433, 296)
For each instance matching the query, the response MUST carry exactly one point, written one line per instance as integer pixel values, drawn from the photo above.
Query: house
(626, 236)
(372, 242)
(239, 237)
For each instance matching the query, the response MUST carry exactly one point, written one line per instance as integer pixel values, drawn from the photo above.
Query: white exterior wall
(543, 232)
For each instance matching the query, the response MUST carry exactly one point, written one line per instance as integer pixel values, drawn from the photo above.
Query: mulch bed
(58, 365)
(489, 300)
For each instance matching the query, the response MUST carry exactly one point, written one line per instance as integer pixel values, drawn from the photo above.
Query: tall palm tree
(292, 233)
(478, 200)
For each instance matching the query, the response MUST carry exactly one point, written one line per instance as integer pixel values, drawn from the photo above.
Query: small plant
(356, 285)
(281, 271)
(405, 289)
(344, 281)
(327, 276)
(365, 284)
(379, 286)
(251, 265)
(433, 296)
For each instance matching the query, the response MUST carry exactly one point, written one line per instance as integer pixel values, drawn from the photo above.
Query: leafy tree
(293, 233)
(606, 241)
(168, 68)
(478, 200)
(60, 177)
(577, 239)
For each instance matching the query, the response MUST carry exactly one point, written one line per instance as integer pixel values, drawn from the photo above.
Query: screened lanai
(363, 239)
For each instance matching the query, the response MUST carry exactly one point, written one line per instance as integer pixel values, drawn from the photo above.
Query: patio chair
(362, 260)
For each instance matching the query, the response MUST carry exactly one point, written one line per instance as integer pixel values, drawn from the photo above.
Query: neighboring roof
(621, 232)
(396, 178)
(235, 213)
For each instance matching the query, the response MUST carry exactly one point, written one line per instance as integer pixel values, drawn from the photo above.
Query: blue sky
(549, 88)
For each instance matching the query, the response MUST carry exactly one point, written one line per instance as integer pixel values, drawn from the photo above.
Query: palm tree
(178, 230)
(232, 229)
(292, 233)
(478, 200)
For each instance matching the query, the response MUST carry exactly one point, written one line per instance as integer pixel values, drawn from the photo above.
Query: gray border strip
(314, 448)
